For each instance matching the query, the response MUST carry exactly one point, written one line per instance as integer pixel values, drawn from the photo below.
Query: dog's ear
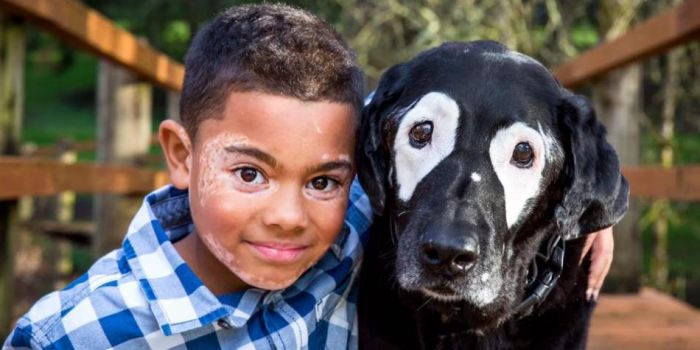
(373, 154)
(595, 194)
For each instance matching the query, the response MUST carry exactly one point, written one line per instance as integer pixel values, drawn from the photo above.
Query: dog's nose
(457, 257)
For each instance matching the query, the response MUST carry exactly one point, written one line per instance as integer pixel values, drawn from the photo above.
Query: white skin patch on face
(519, 184)
(232, 263)
(412, 164)
(317, 128)
(476, 177)
(212, 178)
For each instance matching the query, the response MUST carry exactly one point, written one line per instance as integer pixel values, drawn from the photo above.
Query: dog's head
(477, 154)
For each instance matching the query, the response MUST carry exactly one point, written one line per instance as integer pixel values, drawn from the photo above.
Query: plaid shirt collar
(162, 274)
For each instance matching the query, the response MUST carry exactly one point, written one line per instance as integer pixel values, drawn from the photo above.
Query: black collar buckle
(543, 274)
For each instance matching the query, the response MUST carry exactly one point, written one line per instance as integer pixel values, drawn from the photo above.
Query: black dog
(482, 171)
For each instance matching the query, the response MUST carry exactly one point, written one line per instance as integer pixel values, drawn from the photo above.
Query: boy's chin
(277, 281)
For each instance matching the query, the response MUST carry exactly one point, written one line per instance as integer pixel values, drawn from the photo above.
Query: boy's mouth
(283, 253)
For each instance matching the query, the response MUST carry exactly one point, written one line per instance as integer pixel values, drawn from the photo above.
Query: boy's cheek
(329, 217)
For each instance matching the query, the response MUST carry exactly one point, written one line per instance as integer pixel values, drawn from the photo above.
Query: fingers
(601, 260)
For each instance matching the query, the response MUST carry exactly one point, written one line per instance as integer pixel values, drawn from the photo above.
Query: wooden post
(12, 53)
(124, 109)
(62, 209)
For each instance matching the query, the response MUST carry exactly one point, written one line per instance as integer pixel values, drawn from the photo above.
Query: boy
(248, 248)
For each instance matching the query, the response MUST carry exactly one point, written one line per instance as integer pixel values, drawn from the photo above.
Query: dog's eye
(421, 134)
(522, 155)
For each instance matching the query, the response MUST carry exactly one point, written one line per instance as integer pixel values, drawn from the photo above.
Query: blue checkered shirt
(145, 296)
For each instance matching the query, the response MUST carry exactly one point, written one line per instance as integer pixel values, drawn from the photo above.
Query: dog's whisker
(400, 214)
(427, 300)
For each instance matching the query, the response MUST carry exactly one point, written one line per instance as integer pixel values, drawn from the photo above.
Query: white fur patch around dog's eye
(412, 164)
(519, 184)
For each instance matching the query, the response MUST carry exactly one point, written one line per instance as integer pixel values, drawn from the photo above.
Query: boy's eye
(250, 175)
(323, 183)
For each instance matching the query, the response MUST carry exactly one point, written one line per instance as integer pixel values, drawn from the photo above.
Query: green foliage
(684, 241)
(584, 36)
(60, 103)
(176, 33)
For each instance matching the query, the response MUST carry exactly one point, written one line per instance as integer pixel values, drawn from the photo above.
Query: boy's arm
(601, 246)
(21, 337)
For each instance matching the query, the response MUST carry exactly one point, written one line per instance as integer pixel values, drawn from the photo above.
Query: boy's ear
(177, 150)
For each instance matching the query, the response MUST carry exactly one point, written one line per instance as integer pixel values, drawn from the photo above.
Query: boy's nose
(286, 211)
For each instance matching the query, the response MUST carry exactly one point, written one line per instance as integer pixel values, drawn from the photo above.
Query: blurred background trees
(651, 109)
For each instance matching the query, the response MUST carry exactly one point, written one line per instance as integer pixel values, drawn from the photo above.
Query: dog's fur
(463, 189)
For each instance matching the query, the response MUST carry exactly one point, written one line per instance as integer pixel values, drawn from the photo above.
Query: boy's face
(269, 183)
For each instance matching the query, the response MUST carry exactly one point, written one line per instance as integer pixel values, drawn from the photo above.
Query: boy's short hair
(276, 49)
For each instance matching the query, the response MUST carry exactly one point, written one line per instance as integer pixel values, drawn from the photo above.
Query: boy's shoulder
(82, 310)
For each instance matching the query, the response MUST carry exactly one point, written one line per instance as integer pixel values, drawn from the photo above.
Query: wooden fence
(88, 30)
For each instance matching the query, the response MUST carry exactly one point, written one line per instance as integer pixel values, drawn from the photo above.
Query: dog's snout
(455, 257)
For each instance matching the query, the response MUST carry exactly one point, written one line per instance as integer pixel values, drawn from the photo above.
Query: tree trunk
(659, 263)
(617, 101)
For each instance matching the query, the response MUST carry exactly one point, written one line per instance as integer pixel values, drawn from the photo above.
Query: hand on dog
(601, 245)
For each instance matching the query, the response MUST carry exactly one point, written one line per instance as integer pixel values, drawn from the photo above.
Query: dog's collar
(543, 274)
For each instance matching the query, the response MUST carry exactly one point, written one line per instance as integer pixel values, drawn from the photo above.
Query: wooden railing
(39, 177)
(655, 36)
(88, 30)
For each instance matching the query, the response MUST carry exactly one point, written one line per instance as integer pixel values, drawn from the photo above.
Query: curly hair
(270, 48)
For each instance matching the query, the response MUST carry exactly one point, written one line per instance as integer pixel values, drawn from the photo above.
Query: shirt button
(223, 324)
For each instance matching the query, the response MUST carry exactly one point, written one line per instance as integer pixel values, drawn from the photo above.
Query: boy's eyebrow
(332, 165)
(255, 153)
